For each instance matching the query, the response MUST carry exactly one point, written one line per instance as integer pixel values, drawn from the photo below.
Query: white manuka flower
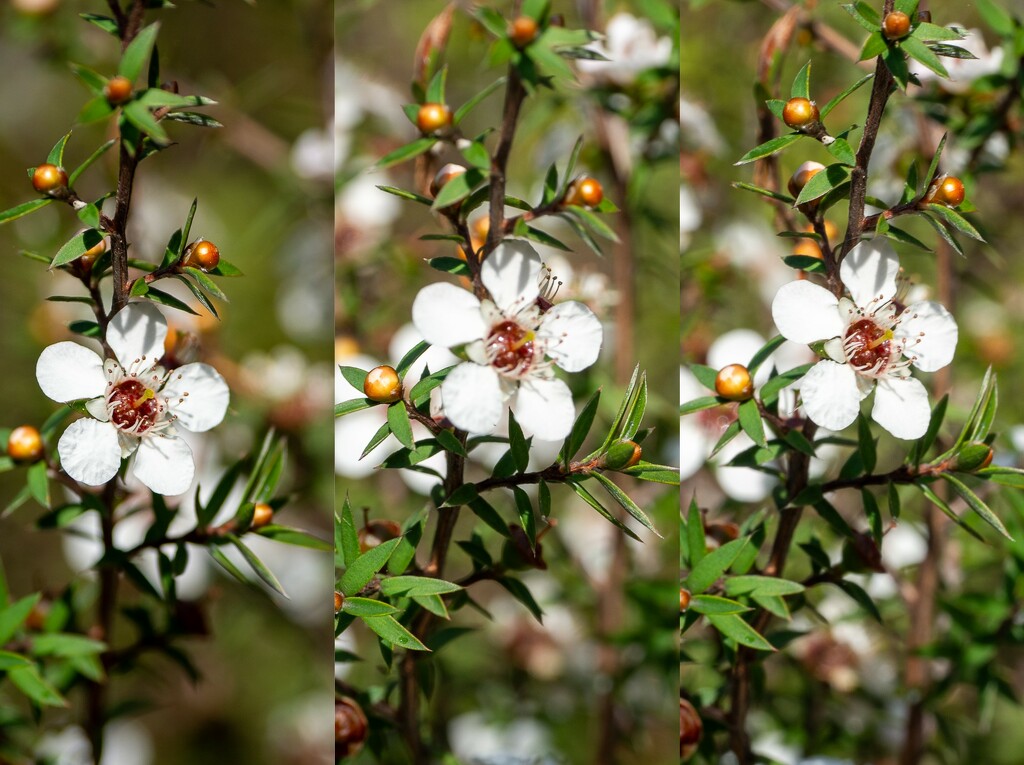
(511, 340)
(136, 403)
(871, 342)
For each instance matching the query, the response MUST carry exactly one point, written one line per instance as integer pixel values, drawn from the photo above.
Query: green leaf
(763, 192)
(733, 626)
(761, 585)
(31, 683)
(922, 53)
(593, 221)
(713, 565)
(140, 116)
(138, 50)
(929, 32)
(403, 154)
(802, 83)
(648, 471)
(841, 150)
(257, 565)
(823, 182)
(586, 496)
(580, 428)
(39, 483)
(955, 219)
(364, 607)
(976, 504)
(56, 155)
(365, 567)
(9, 661)
(750, 421)
(352, 405)
(398, 420)
(864, 15)
(696, 542)
(295, 537)
(458, 188)
(868, 451)
(874, 46)
(164, 298)
(700, 404)
(76, 174)
(766, 149)
(519, 591)
(76, 246)
(14, 615)
(485, 512)
(897, 66)
(417, 585)
(403, 194)
(762, 355)
(59, 644)
(996, 17)
(473, 102)
(518, 444)
(858, 594)
(19, 211)
(394, 633)
(713, 604)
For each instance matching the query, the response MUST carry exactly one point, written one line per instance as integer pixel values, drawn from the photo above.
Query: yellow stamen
(527, 338)
(143, 398)
(885, 337)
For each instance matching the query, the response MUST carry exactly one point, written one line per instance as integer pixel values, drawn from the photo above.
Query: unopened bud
(972, 457)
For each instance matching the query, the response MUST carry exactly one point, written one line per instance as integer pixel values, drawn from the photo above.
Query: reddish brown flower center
(868, 345)
(510, 346)
(133, 407)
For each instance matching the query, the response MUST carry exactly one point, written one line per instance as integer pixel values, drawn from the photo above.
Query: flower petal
(544, 408)
(573, 334)
(89, 451)
(447, 315)
(830, 395)
(68, 371)
(511, 273)
(901, 407)
(197, 395)
(931, 334)
(473, 398)
(137, 332)
(869, 272)
(165, 465)
(805, 312)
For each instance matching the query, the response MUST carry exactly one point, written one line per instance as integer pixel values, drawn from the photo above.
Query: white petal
(473, 398)
(90, 452)
(164, 464)
(197, 395)
(830, 394)
(869, 272)
(805, 312)
(447, 315)
(137, 332)
(901, 407)
(931, 334)
(97, 407)
(574, 335)
(69, 371)
(693, 447)
(544, 408)
(511, 273)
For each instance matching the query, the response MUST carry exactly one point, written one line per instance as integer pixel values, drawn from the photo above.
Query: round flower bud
(376, 532)
(444, 175)
(350, 727)
(47, 179)
(433, 117)
(973, 457)
(949, 191)
(339, 601)
(734, 383)
(803, 174)
(622, 455)
(203, 255)
(584, 192)
(808, 248)
(262, 514)
(383, 385)
(690, 729)
(684, 600)
(800, 113)
(522, 31)
(117, 90)
(25, 444)
(896, 25)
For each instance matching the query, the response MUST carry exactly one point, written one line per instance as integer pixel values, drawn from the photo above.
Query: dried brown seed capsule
(690, 729)
(350, 727)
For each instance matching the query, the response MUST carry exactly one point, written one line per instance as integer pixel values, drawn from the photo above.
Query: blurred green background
(265, 198)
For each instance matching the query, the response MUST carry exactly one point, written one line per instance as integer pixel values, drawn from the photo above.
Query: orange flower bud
(734, 383)
(25, 444)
